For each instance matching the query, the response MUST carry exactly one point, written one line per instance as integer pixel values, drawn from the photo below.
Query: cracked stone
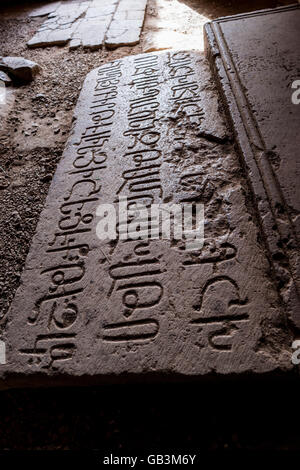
(5, 78)
(90, 33)
(122, 15)
(44, 10)
(120, 35)
(126, 24)
(57, 37)
(258, 96)
(85, 24)
(91, 310)
(128, 5)
(100, 11)
(74, 44)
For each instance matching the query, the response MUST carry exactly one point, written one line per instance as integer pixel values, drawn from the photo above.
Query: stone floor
(90, 24)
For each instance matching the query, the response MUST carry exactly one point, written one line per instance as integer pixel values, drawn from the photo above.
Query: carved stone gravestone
(256, 58)
(147, 128)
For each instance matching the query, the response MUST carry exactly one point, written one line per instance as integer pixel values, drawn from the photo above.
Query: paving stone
(255, 58)
(91, 33)
(125, 28)
(40, 39)
(119, 25)
(136, 23)
(100, 11)
(57, 37)
(72, 9)
(45, 9)
(117, 37)
(95, 311)
(102, 3)
(84, 24)
(59, 28)
(127, 5)
(122, 15)
(74, 44)
(21, 69)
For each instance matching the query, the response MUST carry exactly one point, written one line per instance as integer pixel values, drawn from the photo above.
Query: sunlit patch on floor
(172, 24)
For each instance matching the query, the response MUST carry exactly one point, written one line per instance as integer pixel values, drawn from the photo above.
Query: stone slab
(103, 3)
(121, 35)
(45, 9)
(91, 32)
(127, 23)
(59, 28)
(74, 44)
(129, 15)
(94, 311)
(100, 11)
(88, 24)
(256, 58)
(127, 5)
(57, 37)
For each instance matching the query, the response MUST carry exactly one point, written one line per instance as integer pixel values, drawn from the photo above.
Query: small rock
(16, 219)
(46, 178)
(3, 182)
(20, 69)
(5, 78)
(28, 211)
(39, 96)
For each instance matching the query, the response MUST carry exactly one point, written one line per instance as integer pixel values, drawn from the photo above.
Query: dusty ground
(33, 130)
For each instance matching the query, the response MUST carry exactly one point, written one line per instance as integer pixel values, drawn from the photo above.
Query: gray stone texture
(5, 78)
(45, 9)
(126, 26)
(20, 69)
(94, 311)
(255, 58)
(92, 24)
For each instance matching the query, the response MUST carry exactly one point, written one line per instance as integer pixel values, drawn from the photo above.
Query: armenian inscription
(101, 309)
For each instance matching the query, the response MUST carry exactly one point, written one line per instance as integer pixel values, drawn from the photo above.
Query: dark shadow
(216, 8)
(147, 418)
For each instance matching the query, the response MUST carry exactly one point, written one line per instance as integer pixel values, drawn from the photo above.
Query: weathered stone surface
(92, 310)
(21, 69)
(71, 10)
(74, 44)
(45, 9)
(5, 78)
(91, 33)
(256, 59)
(58, 29)
(126, 26)
(122, 34)
(100, 11)
(129, 5)
(135, 24)
(103, 3)
(88, 23)
(122, 15)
